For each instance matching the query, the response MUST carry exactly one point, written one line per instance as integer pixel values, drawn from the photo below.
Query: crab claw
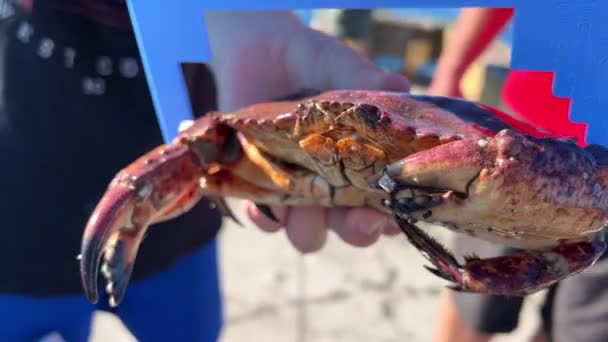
(544, 196)
(450, 167)
(109, 222)
(159, 186)
(487, 182)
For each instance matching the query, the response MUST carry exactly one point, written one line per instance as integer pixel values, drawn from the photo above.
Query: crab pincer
(158, 186)
(510, 188)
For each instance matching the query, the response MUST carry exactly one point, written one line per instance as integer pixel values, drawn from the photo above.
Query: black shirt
(75, 109)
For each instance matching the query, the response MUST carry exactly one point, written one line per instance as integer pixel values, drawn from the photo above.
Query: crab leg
(158, 186)
(510, 181)
(520, 274)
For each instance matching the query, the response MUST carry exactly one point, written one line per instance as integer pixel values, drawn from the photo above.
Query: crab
(440, 160)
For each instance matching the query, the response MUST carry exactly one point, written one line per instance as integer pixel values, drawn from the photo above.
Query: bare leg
(451, 327)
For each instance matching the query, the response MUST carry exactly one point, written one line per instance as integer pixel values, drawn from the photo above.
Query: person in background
(575, 309)
(75, 108)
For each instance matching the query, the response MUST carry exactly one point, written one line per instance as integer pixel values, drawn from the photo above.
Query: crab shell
(441, 160)
(345, 139)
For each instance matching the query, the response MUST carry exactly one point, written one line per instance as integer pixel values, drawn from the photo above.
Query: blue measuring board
(567, 37)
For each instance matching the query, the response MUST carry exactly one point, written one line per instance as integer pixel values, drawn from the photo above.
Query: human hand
(278, 56)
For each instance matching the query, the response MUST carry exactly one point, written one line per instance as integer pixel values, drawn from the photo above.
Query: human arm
(474, 30)
(261, 56)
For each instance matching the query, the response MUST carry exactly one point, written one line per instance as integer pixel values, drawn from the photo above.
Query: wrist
(445, 85)
(451, 73)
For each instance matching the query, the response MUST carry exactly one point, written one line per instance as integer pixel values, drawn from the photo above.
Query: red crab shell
(435, 159)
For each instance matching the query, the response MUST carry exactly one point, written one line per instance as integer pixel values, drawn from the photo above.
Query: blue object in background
(566, 37)
(389, 63)
(305, 15)
(168, 35)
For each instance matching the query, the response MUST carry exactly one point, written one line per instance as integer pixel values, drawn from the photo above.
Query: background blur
(343, 293)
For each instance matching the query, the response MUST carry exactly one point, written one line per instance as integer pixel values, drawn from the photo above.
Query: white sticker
(129, 67)
(69, 55)
(104, 66)
(25, 32)
(93, 86)
(6, 9)
(45, 49)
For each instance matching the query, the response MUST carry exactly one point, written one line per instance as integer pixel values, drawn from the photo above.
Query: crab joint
(222, 146)
(452, 166)
(161, 185)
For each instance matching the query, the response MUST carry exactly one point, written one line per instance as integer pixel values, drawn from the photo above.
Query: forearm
(475, 29)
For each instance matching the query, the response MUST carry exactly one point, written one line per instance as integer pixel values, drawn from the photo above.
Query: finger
(392, 228)
(307, 228)
(359, 227)
(337, 66)
(264, 222)
(345, 68)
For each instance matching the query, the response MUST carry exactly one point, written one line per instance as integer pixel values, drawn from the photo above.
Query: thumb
(324, 62)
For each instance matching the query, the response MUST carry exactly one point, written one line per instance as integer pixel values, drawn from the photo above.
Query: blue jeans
(182, 303)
